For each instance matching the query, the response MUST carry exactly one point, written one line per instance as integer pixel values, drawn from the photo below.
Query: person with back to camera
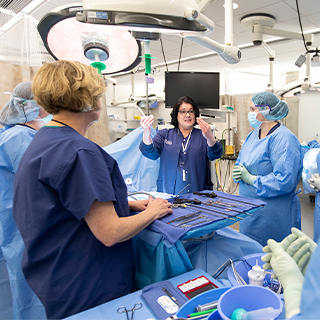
(184, 151)
(70, 200)
(21, 117)
(269, 168)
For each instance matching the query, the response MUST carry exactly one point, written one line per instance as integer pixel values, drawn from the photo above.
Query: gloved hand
(289, 275)
(297, 248)
(314, 182)
(300, 234)
(236, 174)
(146, 123)
(298, 245)
(241, 173)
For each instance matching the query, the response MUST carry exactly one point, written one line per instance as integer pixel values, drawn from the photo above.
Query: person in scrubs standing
(184, 151)
(269, 168)
(21, 117)
(70, 200)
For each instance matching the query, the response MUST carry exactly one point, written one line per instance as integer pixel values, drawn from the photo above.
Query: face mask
(252, 117)
(46, 119)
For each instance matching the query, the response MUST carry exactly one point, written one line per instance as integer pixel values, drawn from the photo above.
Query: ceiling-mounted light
(234, 6)
(262, 23)
(175, 17)
(67, 39)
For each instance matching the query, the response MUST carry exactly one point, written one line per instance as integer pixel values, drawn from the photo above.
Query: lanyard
(184, 147)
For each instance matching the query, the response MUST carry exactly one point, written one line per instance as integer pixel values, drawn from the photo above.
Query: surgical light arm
(228, 52)
(271, 52)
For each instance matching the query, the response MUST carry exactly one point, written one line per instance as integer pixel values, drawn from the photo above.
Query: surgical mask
(46, 119)
(253, 121)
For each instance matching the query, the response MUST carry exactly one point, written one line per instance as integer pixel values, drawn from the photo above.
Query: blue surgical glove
(314, 182)
(246, 176)
(289, 275)
(236, 174)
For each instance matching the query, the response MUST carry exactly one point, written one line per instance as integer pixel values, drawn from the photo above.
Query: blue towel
(212, 222)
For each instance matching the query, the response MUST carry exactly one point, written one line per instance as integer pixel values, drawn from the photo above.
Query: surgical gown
(14, 140)
(310, 295)
(179, 167)
(276, 160)
(316, 231)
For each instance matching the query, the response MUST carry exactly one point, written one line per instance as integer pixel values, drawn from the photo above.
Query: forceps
(123, 309)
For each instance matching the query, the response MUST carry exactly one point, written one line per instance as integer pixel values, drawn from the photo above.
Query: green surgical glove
(298, 245)
(300, 234)
(236, 174)
(289, 275)
(246, 176)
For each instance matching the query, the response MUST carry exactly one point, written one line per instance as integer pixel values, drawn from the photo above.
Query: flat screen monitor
(202, 87)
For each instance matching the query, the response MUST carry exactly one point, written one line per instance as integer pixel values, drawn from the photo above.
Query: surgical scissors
(123, 309)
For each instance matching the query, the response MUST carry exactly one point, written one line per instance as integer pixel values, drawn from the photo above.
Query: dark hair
(175, 109)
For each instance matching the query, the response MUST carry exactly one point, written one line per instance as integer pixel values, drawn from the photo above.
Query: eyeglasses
(263, 105)
(183, 112)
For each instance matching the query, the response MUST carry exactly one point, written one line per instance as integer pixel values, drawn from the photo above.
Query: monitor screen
(202, 87)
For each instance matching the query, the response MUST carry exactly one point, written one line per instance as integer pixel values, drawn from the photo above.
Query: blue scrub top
(60, 175)
(277, 161)
(179, 168)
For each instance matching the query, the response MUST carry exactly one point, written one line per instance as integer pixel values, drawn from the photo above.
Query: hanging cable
(164, 58)
(304, 41)
(180, 53)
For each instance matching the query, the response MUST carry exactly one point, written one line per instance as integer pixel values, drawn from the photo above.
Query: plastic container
(202, 298)
(243, 268)
(249, 298)
(256, 275)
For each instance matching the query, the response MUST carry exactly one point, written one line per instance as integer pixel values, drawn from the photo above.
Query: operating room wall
(239, 85)
(12, 75)
(309, 119)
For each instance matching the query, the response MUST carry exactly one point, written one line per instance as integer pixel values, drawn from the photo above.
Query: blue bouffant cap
(279, 109)
(21, 107)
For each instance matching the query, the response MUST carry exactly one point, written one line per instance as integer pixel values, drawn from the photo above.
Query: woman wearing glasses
(185, 151)
(269, 168)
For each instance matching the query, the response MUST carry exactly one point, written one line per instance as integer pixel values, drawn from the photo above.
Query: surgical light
(67, 39)
(175, 17)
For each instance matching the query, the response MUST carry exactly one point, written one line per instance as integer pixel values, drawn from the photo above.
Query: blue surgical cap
(21, 107)
(279, 109)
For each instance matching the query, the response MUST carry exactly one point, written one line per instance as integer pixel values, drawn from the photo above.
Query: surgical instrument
(195, 224)
(190, 202)
(178, 205)
(140, 110)
(200, 216)
(171, 296)
(186, 216)
(225, 207)
(214, 195)
(140, 192)
(177, 195)
(137, 305)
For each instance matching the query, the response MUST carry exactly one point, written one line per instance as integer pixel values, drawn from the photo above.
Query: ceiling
(254, 59)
